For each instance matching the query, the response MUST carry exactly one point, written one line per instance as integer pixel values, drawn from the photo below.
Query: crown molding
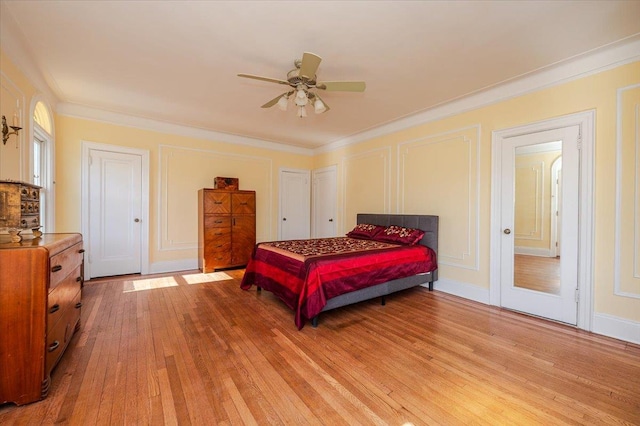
(580, 66)
(598, 60)
(109, 117)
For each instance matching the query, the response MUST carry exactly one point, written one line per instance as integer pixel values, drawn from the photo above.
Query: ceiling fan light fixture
(283, 102)
(318, 106)
(302, 112)
(301, 97)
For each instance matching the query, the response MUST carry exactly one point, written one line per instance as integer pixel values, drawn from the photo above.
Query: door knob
(330, 220)
(136, 220)
(507, 231)
(284, 218)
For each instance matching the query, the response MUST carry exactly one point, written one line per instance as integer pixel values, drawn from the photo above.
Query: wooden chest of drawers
(40, 301)
(226, 228)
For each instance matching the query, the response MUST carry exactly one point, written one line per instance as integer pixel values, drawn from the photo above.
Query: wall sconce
(5, 129)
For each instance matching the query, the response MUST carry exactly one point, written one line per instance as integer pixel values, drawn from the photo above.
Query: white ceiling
(176, 61)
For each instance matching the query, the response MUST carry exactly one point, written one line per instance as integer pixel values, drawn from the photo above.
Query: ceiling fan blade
(275, 100)
(342, 86)
(309, 65)
(270, 80)
(272, 102)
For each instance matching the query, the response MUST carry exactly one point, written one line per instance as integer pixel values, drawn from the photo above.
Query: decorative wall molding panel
(184, 170)
(627, 233)
(440, 174)
(366, 184)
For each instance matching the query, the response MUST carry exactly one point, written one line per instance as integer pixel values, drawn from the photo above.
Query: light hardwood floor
(174, 350)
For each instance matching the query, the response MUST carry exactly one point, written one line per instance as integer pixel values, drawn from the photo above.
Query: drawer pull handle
(217, 202)
(54, 346)
(218, 221)
(81, 251)
(78, 305)
(56, 268)
(244, 203)
(218, 246)
(78, 279)
(54, 308)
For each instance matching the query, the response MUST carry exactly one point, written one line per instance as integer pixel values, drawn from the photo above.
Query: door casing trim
(586, 122)
(87, 147)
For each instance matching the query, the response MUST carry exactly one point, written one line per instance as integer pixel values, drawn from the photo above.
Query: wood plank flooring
(177, 350)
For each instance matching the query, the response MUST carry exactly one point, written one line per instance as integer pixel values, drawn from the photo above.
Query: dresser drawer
(216, 235)
(217, 259)
(243, 203)
(61, 333)
(217, 246)
(212, 221)
(217, 202)
(62, 264)
(62, 298)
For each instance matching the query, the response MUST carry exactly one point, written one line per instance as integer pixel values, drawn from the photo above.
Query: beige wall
(179, 166)
(444, 167)
(441, 167)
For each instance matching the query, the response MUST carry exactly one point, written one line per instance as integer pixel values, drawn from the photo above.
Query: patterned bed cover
(304, 274)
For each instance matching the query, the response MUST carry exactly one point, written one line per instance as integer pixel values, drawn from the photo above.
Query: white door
(295, 200)
(115, 213)
(560, 305)
(324, 202)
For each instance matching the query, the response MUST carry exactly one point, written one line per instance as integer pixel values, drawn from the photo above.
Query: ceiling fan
(302, 79)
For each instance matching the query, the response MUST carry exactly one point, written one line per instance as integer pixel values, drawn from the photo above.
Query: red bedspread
(306, 273)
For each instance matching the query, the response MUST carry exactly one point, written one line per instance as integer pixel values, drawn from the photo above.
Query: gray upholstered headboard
(427, 223)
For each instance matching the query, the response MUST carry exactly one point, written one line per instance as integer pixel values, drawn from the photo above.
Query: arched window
(42, 162)
(42, 117)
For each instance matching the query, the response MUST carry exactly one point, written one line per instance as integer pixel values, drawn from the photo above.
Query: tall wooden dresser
(40, 299)
(226, 228)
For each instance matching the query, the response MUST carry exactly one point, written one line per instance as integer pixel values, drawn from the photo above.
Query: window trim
(48, 180)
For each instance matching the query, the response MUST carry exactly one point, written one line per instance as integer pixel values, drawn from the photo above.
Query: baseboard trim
(173, 266)
(457, 288)
(618, 328)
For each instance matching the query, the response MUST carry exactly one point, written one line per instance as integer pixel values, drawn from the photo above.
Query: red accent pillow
(365, 231)
(400, 235)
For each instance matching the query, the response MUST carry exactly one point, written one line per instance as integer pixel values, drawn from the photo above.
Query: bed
(318, 275)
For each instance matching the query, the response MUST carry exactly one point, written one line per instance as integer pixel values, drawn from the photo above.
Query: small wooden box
(230, 184)
(19, 205)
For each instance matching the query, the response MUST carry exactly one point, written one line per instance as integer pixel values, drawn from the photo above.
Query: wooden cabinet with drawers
(19, 205)
(40, 301)
(226, 228)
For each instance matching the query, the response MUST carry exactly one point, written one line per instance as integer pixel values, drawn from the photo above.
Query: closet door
(295, 204)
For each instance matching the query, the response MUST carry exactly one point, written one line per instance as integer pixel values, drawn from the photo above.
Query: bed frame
(429, 224)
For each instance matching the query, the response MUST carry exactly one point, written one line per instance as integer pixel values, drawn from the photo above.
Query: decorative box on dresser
(40, 300)
(19, 205)
(226, 228)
